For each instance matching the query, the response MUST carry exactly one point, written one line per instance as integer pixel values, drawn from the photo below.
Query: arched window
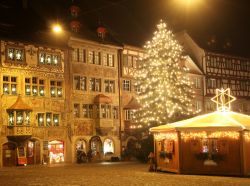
(108, 146)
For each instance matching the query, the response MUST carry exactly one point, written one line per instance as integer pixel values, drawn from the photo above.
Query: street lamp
(57, 28)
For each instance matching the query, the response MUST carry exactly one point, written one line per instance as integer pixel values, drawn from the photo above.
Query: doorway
(9, 154)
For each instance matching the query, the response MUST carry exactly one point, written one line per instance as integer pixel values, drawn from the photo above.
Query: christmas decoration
(166, 89)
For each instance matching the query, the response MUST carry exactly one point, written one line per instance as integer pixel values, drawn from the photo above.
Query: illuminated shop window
(209, 145)
(34, 86)
(56, 151)
(15, 54)
(108, 146)
(95, 84)
(109, 86)
(47, 58)
(80, 83)
(9, 85)
(56, 89)
(79, 55)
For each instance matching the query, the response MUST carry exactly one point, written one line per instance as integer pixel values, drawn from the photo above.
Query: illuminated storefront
(56, 151)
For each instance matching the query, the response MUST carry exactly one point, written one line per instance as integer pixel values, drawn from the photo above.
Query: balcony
(19, 131)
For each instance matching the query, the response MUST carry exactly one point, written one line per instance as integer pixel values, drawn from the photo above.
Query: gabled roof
(20, 105)
(215, 121)
(132, 104)
(100, 98)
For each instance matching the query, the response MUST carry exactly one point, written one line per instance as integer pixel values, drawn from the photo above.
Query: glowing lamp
(57, 28)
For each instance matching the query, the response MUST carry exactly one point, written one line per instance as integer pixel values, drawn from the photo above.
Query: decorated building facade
(32, 107)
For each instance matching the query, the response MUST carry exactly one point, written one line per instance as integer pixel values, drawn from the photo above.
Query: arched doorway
(9, 155)
(56, 151)
(132, 149)
(96, 147)
(81, 151)
(33, 152)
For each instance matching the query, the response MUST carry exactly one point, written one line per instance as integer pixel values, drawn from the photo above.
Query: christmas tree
(166, 89)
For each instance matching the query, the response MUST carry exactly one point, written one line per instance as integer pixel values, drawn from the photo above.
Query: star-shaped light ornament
(223, 99)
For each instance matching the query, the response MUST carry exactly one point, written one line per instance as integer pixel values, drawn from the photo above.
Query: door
(9, 157)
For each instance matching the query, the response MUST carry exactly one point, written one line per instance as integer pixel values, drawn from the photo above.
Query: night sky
(227, 22)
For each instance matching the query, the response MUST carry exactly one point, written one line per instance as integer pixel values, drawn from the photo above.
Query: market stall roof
(215, 121)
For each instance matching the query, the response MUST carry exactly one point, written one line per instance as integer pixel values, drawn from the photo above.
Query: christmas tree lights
(166, 89)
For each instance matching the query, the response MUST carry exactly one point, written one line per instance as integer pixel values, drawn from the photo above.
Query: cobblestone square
(111, 174)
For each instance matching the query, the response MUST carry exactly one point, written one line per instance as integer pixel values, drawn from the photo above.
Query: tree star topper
(223, 99)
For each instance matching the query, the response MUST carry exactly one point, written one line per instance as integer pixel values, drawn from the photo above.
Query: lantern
(74, 10)
(101, 32)
(75, 25)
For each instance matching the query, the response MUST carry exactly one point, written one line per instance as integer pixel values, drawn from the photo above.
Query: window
(87, 110)
(15, 54)
(40, 119)
(210, 107)
(243, 85)
(126, 85)
(47, 58)
(94, 57)
(56, 119)
(211, 83)
(80, 83)
(209, 145)
(108, 60)
(79, 55)
(34, 86)
(56, 88)
(197, 82)
(51, 119)
(10, 85)
(129, 114)
(95, 84)
(198, 105)
(109, 86)
(76, 110)
(105, 111)
(132, 61)
(108, 146)
(138, 88)
(115, 113)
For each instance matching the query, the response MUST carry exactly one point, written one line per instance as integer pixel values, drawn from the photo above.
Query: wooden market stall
(214, 143)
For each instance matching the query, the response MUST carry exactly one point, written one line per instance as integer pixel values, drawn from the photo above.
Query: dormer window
(15, 54)
(47, 58)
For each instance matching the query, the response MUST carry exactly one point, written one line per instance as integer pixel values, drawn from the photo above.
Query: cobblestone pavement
(111, 174)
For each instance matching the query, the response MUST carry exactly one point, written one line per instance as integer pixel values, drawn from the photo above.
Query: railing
(19, 131)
